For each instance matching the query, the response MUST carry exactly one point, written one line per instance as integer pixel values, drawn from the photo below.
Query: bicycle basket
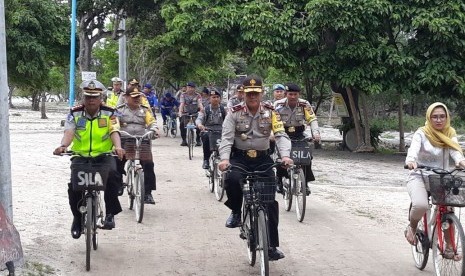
(447, 190)
(263, 188)
(213, 138)
(301, 153)
(89, 176)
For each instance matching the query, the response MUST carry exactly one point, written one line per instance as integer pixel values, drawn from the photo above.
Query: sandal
(450, 254)
(410, 236)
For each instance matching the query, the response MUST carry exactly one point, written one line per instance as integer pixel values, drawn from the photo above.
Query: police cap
(292, 87)
(252, 84)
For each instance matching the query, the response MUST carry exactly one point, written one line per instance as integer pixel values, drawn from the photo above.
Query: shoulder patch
(77, 107)
(237, 107)
(107, 108)
(268, 105)
(303, 104)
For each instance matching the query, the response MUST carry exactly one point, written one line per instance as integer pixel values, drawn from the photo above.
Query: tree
(37, 39)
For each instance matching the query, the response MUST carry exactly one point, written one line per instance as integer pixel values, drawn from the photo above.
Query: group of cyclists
(251, 128)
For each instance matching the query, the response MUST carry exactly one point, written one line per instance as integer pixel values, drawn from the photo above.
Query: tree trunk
(366, 122)
(35, 98)
(10, 96)
(42, 106)
(355, 114)
(308, 88)
(401, 125)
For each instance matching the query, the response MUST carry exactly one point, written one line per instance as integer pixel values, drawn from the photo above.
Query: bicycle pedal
(242, 236)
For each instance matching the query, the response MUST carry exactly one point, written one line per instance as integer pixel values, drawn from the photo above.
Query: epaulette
(303, 104)
(121, 105)
(107, 108)
(237, 107)
(143, 105)
(78, 107)
(268, 105)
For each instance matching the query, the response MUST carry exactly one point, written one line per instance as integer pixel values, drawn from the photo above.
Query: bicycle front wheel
(130, 186)
(89, 223)
(190, 142)
(448, 254)
(262, 229)
(166, 130)
(97, 214)
(173, 129)
(139, 193)
(211, 174)
(287, 190)
(247, 233)
(420, 251)
(300, 196)
(219, 182)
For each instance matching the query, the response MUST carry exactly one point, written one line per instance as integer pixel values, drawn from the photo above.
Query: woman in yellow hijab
(431, 146)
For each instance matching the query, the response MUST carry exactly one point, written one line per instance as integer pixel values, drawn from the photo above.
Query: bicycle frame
(433, 222)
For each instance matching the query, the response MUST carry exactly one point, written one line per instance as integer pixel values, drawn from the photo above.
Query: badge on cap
(91, 85)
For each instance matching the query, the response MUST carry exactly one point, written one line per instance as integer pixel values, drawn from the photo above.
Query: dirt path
(354, 223)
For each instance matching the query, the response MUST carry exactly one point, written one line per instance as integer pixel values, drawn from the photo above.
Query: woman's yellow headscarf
(440, 138)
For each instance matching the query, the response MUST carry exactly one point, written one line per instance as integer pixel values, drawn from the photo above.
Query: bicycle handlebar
(435, 169)
(273, 165)
(138, 137)
(305, 139)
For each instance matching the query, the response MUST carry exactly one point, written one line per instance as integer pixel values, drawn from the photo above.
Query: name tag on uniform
(102, 122)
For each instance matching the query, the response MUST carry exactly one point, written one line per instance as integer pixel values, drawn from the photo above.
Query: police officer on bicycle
(190, 103)
(212, 118)
(296, 114)
(93, 130)
(245, 141)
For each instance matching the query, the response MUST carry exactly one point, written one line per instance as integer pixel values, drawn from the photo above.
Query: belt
(250, 153)
(292, 129)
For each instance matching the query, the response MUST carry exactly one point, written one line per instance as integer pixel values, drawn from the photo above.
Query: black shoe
(279, 187)
(205, 165)
(307, 190)
(198, 143)
(109, 222)
(148, 199)
(184, 143)
(121, 190)
(275, 254)
(76, 228)
(234, 220)
(173, 132)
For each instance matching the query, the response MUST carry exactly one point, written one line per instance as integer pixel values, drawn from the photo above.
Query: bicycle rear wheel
(287, 190)
(300, 195)
(219, 182)
(139, 193)
(190, 142)
(89, 223)
(262, 233)
(448, 258)
(420, 251)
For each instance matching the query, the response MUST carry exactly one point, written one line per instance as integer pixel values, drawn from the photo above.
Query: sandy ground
(354, 220)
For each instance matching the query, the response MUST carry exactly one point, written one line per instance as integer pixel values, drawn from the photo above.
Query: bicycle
(190, 126)
(296, 185)
(215, 176)
(441, 230)
(134, 180)
(90, 178)
(257, 191)
(171, 126)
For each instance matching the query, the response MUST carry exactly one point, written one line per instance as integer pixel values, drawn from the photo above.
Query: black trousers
(150, 180)
(182, 126)
(112, 204)
(234, 191)
(206, 145)
(307, 169)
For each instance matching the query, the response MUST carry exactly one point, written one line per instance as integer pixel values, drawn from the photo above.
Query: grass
(37, 269)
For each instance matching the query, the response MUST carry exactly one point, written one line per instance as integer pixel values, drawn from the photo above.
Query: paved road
(184, 233)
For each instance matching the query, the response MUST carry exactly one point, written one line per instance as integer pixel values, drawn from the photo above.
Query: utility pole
(5, 154)
(122, 53)
(72, 56)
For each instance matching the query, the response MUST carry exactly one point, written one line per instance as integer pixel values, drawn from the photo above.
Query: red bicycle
(440, 229)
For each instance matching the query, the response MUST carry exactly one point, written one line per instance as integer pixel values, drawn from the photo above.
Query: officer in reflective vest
(114, 95)
(92, 130)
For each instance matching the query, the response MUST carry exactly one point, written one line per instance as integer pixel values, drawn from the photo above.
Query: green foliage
(105, 55)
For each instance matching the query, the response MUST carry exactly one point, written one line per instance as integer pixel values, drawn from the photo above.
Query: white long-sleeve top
(426, 154)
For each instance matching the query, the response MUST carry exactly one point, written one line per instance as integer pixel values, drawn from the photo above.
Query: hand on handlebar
(59, 150)
(223, 165)
(120, 152)
(287, 162)
(411, 165)
(317, 137)
(201, 127)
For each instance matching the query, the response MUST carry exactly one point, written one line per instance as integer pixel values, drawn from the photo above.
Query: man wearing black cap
(190, 103)
(245, 141)
(296, 114)
(211, 118)
(93, 130)
(167, 105)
